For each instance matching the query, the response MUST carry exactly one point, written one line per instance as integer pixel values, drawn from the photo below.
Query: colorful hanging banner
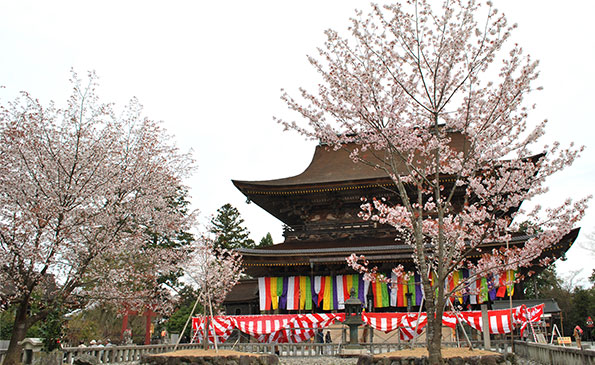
(411, 289)
(330, 292)
(380, 291)
(273, 290)
(327, 303)
(339, 284)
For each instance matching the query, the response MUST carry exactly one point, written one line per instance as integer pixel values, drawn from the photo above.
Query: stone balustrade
(554, 354)
(119, 354)
(133, 353)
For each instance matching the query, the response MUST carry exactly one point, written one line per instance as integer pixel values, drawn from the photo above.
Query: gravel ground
(329, 360)
(322, 360)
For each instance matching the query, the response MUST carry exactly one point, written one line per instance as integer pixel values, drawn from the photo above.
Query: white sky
(212, 71)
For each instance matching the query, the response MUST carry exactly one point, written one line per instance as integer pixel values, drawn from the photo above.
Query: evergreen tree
(227, 225)
(52, 330)
(175, 323)
(266, 240)
(543, 284)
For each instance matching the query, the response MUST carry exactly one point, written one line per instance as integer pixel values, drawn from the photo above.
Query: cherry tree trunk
(434, 326)
(434, 341)
(19, 330)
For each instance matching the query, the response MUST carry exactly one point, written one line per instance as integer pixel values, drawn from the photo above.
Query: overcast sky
(212, 71)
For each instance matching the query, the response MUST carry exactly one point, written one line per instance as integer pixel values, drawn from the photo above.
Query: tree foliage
(81, 191)
(215, 271)
(52, 330)
(7, 323)
(583, 306)
(428, 95)
(542, 285)
(175, 323)
(228, 227)
(575, 301)
(266, 240)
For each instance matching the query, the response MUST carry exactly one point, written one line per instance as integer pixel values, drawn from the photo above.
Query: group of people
(100, 343)
(323, 338)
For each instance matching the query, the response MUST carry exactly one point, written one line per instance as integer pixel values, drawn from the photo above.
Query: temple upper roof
(324, 200)
(329, 166)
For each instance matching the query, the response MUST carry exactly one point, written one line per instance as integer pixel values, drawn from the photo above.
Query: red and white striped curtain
(294, 328)
(284, 328)
(499, 320)
(409, 324)
(222, 325)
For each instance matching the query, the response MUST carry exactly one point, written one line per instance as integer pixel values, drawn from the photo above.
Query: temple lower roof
(550, 304)
(293, 255)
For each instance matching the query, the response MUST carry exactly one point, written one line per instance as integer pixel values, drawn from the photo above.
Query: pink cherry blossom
(82, 190)
(431, 96)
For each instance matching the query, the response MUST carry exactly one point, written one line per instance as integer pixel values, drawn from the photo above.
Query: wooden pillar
(124, 325)
(148, 314)
(486, 327)
(125, 322)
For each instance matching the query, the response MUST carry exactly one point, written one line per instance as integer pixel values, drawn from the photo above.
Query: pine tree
(543, 284)
(266, 240)
(227, 225)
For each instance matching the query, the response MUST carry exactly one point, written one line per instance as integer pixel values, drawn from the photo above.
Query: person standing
(328, 341)
(577, 336)
(319, 340)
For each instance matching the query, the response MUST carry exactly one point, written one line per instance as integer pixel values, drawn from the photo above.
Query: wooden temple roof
(332, 177)
(329, 175)
(329, 166)
(245, 290)
(550, 307)
(320, 207)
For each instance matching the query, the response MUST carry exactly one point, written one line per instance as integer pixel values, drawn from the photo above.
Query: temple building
(319, 209)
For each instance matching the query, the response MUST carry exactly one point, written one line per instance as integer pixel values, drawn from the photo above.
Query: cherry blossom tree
(84, 192)
(215, 270)
(429, 95)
